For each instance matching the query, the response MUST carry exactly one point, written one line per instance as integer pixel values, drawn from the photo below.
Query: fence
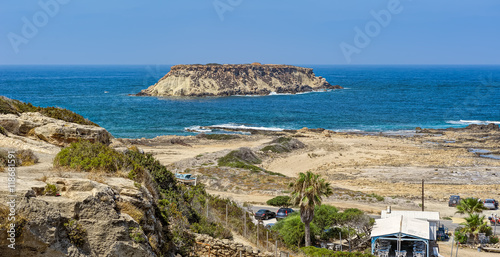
(239, 219)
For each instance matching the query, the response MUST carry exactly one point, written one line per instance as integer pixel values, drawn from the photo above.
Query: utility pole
(422, 195)
(452, 243)
(340, 235)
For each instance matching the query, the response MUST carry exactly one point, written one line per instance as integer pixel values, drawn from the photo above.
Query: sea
(388, 99)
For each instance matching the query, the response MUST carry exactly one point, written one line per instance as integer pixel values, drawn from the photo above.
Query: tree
(307, 192)
(292, 230)
(279, 201)
(475, 224)
(470, 206)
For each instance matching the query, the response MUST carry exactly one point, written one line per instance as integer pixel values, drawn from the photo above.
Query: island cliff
(236, 79)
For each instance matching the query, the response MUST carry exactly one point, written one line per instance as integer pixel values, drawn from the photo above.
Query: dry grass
(98, 176)
(19, 222)
(131, 210)
(42, 178)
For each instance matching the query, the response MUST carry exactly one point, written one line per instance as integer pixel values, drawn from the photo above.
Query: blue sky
(243, 31)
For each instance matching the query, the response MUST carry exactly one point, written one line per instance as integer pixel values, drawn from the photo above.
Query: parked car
(490, 204)
(264, 214)
(454, 200)
(283, 213)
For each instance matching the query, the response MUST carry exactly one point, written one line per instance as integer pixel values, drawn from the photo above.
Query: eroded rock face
(109, 230)
(244, 79)
(52, 130)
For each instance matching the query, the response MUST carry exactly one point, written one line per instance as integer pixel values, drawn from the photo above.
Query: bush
(292, 230)
(494, 240)
(378, 197)
(10, 106)
(320, 252)
(26, 157)
(87, 156)
(324, 217)
(460, 236)
(50, 190)
(212, 229)
(279, 201)
(76, 232)
(136, 234)
(243, 158)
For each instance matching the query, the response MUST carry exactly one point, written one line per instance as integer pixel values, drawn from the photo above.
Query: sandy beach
(356, 164)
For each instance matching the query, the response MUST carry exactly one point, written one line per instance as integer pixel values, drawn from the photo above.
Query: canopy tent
(400, 228)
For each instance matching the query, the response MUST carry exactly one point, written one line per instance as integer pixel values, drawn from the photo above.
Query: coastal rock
(105, 226)
(53, 131)
(237, 79)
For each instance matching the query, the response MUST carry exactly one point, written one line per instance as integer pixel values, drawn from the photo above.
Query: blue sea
(375, 99)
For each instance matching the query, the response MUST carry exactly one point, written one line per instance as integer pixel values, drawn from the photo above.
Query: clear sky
(243, 31)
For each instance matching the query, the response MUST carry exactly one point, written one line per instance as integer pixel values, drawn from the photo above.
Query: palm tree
(307, 192)
(470, 206)
(474, 224)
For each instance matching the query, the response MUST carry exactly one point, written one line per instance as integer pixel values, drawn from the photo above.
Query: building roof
(401, 224)
(423, 215)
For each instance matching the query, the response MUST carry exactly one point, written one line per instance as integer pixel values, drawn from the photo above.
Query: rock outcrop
(88, 219)
(241, 79)
(54, 131)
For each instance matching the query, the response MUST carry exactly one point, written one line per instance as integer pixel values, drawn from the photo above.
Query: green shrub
(283, 140)
(280, 201)
(292, 230)
(76, 232)
(494, 240)
(212, 229)
(378, 197)
(161, 175)
(16, 107)
(87, 156)
(236, 159)
(136, 234)
(460, 236)
(320, 252)
(50, 190)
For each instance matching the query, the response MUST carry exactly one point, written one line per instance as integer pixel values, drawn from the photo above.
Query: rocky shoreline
(236, 79)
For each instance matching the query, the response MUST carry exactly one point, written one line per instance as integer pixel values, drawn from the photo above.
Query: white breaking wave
(243, 127)
(197, 129)
(468, 122)
(347, 130)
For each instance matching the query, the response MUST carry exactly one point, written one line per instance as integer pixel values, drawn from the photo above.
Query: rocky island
(236, 79)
